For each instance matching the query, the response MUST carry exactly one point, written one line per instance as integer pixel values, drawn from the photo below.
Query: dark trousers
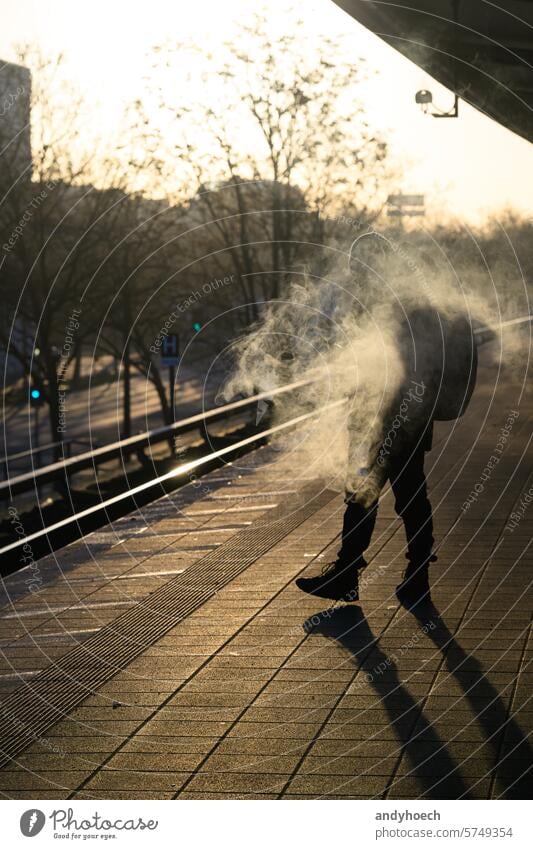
(411, 503)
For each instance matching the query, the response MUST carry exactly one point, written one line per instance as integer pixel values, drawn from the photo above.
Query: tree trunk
(77, 368)
(126, 395)
(126, 363)
(166, 409)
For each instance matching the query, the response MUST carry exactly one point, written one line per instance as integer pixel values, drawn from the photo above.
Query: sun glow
(465, 167)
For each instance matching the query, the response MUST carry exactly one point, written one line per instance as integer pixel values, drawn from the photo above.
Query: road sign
(170, 350)
(401, 212)
(405, 200)
(402, 205)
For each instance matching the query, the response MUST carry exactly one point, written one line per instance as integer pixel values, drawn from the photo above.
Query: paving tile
(154, 762)
(237, 783)
(108, 779)
(251, 763)
(28, 781)
(364, 786)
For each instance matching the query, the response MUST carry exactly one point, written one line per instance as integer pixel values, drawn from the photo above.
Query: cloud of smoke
(341, 330)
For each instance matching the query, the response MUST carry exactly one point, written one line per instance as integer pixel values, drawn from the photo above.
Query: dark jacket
(439, 362)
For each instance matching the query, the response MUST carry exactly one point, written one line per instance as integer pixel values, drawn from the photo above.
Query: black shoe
(414, 589)
(337, 581)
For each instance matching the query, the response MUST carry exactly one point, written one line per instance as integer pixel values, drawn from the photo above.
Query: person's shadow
(437, 774)
(509, 749)
(348, 626)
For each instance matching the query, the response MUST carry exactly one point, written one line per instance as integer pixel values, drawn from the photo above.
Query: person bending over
(439, 362)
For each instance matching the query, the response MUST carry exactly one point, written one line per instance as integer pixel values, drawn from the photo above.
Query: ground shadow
(348, 626)
(512, 754)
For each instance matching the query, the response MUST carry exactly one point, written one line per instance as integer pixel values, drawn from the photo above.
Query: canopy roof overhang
(478, 49)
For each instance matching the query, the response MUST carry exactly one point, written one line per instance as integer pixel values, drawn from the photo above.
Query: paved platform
(260, 691)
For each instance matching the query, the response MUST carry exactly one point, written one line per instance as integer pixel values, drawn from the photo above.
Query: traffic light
(197, 327)
(36, 397)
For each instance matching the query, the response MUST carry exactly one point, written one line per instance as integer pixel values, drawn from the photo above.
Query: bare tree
(281, 142)
(68, 245)
(136, 292)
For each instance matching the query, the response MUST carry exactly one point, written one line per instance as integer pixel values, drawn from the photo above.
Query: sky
(468, 168)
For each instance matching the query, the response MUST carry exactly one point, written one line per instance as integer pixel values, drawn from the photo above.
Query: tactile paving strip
(28, 713)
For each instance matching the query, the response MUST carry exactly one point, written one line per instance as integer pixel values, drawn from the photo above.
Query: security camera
(423, 97)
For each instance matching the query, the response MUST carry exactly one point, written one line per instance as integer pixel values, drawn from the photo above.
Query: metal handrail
(40, 449)
(182, 469)
(88, 459)
(9, 458)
